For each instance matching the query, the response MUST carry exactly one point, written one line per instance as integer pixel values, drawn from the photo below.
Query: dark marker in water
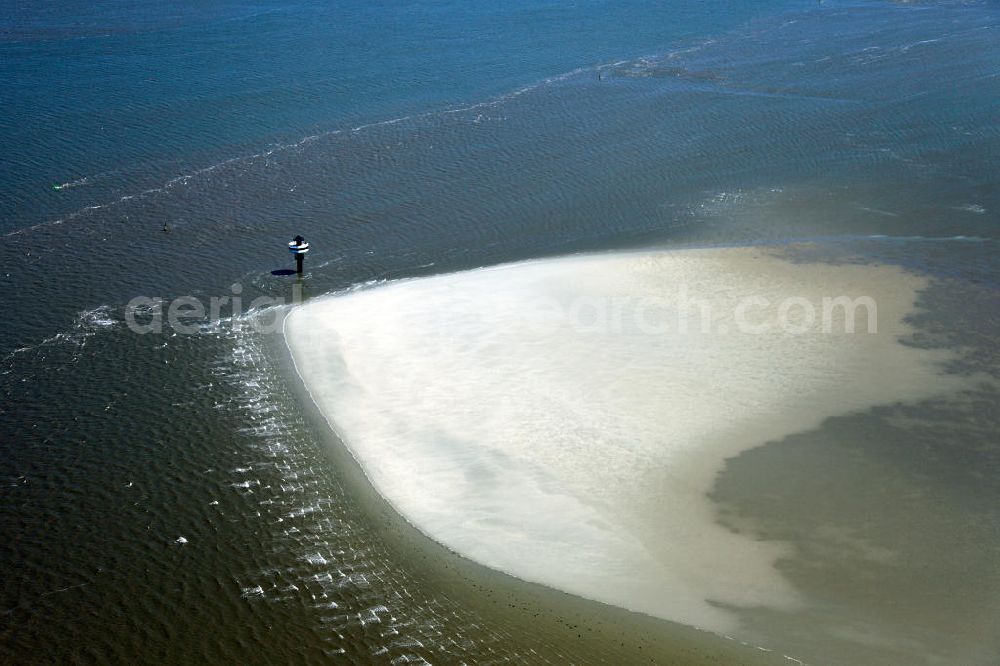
(298, 246)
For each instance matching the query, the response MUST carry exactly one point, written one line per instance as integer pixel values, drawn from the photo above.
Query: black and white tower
(298, 247)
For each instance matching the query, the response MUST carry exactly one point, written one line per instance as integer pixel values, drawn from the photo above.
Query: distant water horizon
(169, 497)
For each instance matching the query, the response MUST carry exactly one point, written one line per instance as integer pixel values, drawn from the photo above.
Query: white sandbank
(504, 416)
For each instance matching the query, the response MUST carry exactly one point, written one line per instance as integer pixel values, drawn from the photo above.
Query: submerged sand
(555, 420)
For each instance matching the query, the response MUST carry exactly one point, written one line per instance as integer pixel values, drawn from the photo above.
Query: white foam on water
(505, 416)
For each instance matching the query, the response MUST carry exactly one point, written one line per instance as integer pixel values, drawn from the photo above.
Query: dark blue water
(108, 97)
(163, 150)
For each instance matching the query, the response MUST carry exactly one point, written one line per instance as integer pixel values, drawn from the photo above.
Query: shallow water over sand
(559, 420)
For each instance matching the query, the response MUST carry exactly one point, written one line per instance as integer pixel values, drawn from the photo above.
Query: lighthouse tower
(298, 246)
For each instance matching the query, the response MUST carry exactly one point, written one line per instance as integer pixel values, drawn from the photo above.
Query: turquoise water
(166, 151)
